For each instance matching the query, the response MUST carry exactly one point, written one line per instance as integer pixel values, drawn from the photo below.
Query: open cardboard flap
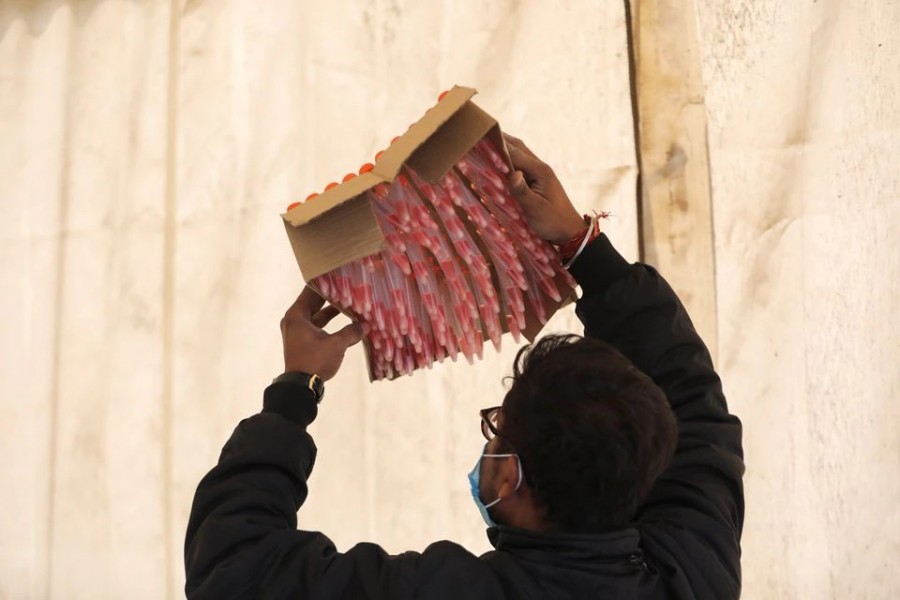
(339, 225)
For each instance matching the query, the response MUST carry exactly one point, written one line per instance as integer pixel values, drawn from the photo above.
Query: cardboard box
(339, 226)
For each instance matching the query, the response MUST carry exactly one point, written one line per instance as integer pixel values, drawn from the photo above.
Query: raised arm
(242, 540)
(634, 309)
(695, 511)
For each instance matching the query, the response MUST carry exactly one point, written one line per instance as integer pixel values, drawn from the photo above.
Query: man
(611, 470)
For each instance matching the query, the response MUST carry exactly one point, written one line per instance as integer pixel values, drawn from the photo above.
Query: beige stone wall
(147, 148)
(805, 161)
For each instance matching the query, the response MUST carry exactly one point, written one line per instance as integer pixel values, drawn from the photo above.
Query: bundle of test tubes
(458, 267)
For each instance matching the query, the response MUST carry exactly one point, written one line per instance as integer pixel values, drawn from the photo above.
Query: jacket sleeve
(242, 539)
(694, 514)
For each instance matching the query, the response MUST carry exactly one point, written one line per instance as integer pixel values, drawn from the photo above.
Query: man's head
(592, 433)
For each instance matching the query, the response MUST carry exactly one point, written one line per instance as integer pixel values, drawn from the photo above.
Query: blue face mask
(475, 482)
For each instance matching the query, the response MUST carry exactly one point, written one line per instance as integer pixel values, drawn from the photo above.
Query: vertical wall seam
(631, 42)
(168, 318)
(369, 408)
(674, 230)
(712, 196)
(60, 281)
(712, 250)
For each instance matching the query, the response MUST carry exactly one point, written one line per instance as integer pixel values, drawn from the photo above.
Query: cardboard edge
(421, 132)
(353, 220)
(326, 201)
(450, 142)
(388, 166)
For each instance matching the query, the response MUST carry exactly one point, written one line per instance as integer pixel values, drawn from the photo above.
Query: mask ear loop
(521, 473)
(518, 483)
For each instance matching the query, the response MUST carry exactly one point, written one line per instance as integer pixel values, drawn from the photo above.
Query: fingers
(306, 304)
(524, 159)
(348, 335)
(324, 316)
(522, 192)
(516, 145)
(517, 184)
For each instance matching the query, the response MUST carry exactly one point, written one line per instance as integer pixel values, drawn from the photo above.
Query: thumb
(519, 188)
(349, 335)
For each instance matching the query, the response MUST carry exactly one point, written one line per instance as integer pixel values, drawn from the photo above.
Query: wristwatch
(310, 381)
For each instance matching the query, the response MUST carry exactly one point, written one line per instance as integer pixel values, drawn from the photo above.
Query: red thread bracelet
(568, 250)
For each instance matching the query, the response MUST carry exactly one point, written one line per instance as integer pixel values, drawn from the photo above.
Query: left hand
(307, 347)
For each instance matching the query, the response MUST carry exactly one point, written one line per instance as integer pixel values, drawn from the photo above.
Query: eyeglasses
(489, 422)
(489, 429)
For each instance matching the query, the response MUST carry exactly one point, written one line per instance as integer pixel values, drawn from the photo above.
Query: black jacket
(242, 539)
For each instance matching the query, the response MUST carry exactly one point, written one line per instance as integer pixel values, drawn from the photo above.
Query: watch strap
(310, 381)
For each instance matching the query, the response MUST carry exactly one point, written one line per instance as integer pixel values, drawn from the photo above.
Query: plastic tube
(482, 286)
(501, 250)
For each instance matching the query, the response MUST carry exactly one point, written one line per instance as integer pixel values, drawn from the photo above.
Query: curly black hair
(592, 431)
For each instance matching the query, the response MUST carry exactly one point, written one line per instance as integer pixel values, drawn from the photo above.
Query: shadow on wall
(38, 15)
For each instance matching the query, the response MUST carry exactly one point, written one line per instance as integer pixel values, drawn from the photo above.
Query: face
(502, 487)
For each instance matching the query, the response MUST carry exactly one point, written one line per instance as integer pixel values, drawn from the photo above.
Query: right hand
(548, 210)
(307, 347)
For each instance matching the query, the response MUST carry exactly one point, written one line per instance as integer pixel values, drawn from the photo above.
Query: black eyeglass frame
(488, 428)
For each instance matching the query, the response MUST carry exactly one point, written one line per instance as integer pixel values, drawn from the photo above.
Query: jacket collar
(612, 546)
